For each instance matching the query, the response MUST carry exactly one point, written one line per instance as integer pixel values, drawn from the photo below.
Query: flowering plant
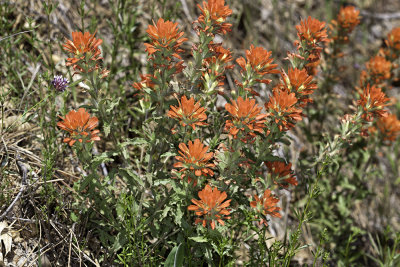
(174, 145)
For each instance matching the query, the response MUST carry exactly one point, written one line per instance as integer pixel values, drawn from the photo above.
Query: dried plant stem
(24, 171)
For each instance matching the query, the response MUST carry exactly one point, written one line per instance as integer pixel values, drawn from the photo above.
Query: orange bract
(214, 14)
(83, 43)
(282, 171)
(389, 126)
(281, 106)
(372, 100)
(220, 55)
(83, 46)
(298, 82)
(246, 118)
(348, 18)
(188, 113)
(266, 205)
(258, 60)
(379, 69)
(80, 126)
(165, 34)
(194, 157)
(393, 39)
(217, 63)
(312, 31)
(146, 82)
(211, 206)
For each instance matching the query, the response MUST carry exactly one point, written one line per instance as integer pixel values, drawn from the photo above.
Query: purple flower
(60, 83)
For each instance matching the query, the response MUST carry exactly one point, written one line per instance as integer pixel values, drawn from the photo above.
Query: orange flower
(393, 39)
(282, 171)
(372, 100)
(259, 61)
(220, 55)
(379, 69)
(389, 126)
(348, 18)
(80, 126)
(266, 205)
(84, 47)
(195, 158)
(246, 117)
(188, 113)
(340, 29)
(281, 106)
(165, 35)
(146, 82)
(216, 64)
(212, 206)
(298, 82)
(312, 31)
(214, 14)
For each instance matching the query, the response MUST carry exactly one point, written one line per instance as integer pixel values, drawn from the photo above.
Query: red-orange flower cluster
(393, 39)
(298, 82)
(392, 49)
(282, 109)
(246, 118)
(258, 62)
(348, 18)
(378, 69)
(373, 100)
(389, 126)
(220, 55)
(80, 125)
(266, 205)
(312, 34)
(188, 113)
(146, 82)
(212, 207)
(194, 158)
(165, 35)
(85, 49)
(213, 17)
(217, 63)
(339, 31)
(282, 173)
(312, 31)
(166, 39)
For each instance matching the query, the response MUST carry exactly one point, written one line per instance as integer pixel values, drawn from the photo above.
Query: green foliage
(126, 200)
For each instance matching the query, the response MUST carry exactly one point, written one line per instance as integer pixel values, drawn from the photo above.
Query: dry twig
(24, 172)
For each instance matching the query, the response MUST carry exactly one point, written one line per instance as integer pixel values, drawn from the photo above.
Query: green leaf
(106, 128)
(176, 256)
(75, 82)
(162, 182)
(165, 212)
(136, 142)
(120, 240)
(131, 177)
(102, 158)
(199, 239)
(74, 218)
(167, 155)
(120, 211)
(113, 104)
(178, 216)
(85, 182)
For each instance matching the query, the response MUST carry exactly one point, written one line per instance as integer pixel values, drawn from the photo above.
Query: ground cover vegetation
(199, 133)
